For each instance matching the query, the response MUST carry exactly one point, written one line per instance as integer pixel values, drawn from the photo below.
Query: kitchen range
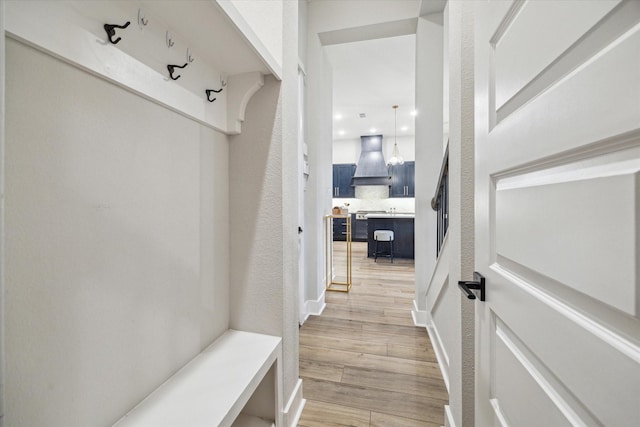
(359, 221)
(359, 226)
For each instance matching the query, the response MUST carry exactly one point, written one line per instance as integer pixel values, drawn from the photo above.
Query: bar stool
(383, 236)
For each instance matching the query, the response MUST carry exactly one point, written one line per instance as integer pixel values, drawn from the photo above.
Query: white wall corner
(240, 89)
(293, 411)
(419, 316)
(314, 307)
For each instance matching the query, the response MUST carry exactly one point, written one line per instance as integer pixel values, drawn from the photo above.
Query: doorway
(369, 78)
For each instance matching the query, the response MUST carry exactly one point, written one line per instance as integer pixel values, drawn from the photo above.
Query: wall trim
(419, 316)
(440, 353)
(314, 307)
(295, 405)
(2, 193)
(443, 258)
(617, 341)
(241, 88)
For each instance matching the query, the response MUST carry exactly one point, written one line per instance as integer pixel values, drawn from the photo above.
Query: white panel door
(557, 91)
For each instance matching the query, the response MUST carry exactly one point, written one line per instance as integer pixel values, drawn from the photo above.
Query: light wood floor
(363, 363)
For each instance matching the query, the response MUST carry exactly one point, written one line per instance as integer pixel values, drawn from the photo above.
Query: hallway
(362, 361)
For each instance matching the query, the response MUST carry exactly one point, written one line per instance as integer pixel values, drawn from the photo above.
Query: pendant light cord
(396, 158)
(395, 128)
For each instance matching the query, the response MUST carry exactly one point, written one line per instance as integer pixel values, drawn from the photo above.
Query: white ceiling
(370, 77)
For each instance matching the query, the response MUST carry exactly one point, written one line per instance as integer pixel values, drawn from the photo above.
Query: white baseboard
(419, 316)
(441, 355)
(448, 417)
(314, 308)
(295, 405)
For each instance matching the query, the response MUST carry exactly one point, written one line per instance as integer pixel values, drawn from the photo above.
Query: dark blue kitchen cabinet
(339, 229)
(342, 180)
(359, 229)
(403, 230)
(403, 178)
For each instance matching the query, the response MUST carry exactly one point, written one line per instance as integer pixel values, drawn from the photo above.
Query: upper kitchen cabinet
(403, 180)
(201, 59)
(342, 180)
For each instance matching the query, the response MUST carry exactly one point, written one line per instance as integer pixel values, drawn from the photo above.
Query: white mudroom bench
(233, 382)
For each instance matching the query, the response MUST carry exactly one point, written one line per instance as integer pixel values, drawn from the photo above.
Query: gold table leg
(332, 285)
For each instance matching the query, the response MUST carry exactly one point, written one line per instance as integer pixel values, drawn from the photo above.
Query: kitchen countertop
(391, 215)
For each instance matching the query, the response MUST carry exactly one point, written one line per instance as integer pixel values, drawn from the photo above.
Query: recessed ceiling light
(372, 130)
(414, 113)
(341, 133)
(338, 116)
(404, 128)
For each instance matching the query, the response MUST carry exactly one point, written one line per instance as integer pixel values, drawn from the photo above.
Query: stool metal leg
(388, 253)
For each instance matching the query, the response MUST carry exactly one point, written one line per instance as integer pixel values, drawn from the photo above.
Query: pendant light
(396, 158)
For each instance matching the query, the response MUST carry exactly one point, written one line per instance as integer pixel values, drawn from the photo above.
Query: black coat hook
(209, 92)
(172, 68)
(111, 32)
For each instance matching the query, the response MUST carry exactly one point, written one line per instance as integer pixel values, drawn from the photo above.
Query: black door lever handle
(477, 284)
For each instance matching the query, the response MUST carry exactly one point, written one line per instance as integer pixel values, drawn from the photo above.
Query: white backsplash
(372, 192)
(376, 198)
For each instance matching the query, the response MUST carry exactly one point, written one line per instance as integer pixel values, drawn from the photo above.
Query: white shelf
(223, 51)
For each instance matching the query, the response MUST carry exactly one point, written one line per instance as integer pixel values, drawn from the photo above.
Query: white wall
(256, 246)
(291, 206)
(303, 31)
(303, 159)
(450, 314)
(265, 19)
(429, 128)
(333, 15)
(261, 24)
(116, 246)
(319, 131)
(120, 232)
(348, 150)
(264, 172)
